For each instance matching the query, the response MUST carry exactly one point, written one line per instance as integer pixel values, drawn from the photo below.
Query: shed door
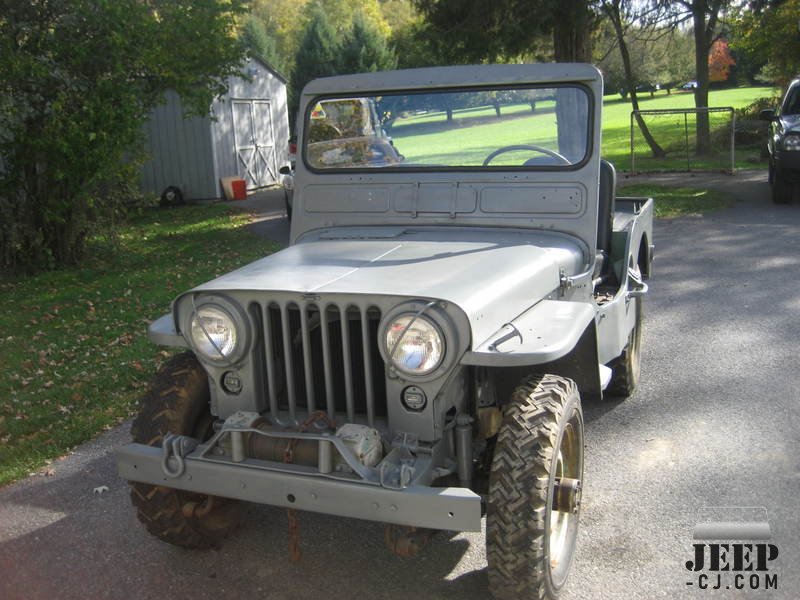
(255, 142)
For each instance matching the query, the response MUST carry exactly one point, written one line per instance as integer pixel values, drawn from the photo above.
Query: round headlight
(414, 345)
(214, 332)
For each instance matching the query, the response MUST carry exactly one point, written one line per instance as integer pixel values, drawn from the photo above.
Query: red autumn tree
(720, 61)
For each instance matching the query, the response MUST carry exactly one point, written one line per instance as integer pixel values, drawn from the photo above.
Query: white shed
(246, 134)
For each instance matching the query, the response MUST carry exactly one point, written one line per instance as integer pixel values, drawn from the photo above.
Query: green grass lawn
(74, 346)
(429, 139)
(673, 202)
(669, 131)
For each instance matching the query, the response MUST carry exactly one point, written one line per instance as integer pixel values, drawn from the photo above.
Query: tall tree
(259, 42)
(704, 16)
(411, 36)
(612, 9)
(78, 78)
(720, 61)
(317, 56)
(286, 21)
(478, 30)
(365, 49)
(768, 35)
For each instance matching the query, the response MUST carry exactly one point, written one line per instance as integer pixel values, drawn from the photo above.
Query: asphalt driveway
(715, 423)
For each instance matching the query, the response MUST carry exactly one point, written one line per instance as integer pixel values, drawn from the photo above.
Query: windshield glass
(523, 127)
(791, 105)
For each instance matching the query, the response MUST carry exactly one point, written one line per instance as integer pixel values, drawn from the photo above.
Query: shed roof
(267, 65)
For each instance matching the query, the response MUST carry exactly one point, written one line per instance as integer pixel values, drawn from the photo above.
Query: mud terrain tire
(540, 439)
(178, 402)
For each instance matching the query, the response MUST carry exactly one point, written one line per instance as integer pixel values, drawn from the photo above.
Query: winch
(280, 445)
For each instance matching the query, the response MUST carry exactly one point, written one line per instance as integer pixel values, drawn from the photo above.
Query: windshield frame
(590, 126)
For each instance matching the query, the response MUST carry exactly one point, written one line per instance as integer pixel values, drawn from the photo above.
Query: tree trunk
(703, 37)
(572, 40)
(571, 43)
(612, 11)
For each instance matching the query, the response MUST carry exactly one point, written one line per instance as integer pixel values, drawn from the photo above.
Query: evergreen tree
(317, 56)
(365, 49)
(259, 43)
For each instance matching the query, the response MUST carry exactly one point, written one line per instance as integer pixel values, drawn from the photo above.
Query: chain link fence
(675, 131)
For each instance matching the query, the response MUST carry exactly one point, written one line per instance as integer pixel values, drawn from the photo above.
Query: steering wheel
(547, 151)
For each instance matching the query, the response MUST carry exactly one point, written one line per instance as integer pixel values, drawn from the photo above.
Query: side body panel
(631, 248)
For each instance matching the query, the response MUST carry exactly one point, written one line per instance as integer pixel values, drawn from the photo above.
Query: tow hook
(177, 447)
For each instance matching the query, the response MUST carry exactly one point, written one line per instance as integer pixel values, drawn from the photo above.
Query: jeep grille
(322, 357)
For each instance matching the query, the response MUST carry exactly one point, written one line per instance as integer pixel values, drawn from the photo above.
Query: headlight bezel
(437, 318)
(241, 323)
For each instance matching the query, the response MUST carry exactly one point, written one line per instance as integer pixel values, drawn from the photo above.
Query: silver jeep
(460, 275)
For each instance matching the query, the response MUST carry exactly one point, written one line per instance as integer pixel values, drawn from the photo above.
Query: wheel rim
(563, 515)
(559, 522)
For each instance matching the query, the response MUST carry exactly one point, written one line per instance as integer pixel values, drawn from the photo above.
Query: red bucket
(239, 187)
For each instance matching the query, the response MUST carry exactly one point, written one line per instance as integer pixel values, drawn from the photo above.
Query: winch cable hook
(288, 456)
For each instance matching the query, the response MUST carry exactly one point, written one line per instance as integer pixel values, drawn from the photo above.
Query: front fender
(163, 333)
(544, 333)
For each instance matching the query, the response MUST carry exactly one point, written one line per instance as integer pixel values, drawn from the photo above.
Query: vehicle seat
(605, 208)
(542, 161)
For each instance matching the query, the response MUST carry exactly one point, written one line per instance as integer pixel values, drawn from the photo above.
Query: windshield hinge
(564, 282)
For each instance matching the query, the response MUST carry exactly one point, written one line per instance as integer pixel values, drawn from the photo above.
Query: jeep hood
(492, 275)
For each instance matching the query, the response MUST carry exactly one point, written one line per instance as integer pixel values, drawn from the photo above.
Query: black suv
(783, 144)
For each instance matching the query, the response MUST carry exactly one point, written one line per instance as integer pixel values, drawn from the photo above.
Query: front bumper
(454, 509)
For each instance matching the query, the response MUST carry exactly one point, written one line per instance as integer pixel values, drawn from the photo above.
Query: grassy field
(428, 138)
(678, 202)
(669, 131)
(75, 352)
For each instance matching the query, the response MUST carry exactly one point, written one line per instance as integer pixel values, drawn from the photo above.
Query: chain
(288, 457)
(294, 535)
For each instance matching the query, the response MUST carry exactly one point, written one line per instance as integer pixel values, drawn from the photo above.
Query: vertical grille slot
(269, 355)
(287, 357)
(366, 347)
(307, 369)
(326, 362)
(322, 356)
(346, 367)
